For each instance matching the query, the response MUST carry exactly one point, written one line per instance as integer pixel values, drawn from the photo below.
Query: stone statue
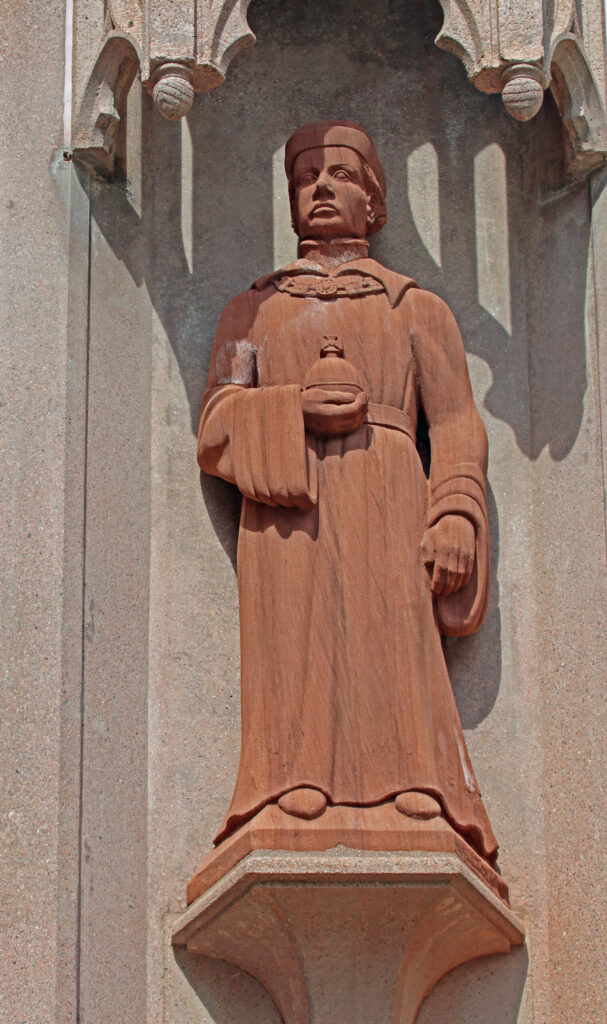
(351, 563)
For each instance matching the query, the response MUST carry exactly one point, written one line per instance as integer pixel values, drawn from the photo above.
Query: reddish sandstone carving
(350, 562)
(371, 829)
(418, 805)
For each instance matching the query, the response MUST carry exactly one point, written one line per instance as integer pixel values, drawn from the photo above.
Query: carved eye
(342, 175)
(306, 179)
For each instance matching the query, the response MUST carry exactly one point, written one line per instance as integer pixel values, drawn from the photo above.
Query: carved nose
(323, 188)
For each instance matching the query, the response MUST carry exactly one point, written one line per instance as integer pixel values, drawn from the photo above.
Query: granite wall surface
(40, 632)
(121, 730)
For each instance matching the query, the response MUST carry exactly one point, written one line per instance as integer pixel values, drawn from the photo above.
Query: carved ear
(373, 211)
(376, 212)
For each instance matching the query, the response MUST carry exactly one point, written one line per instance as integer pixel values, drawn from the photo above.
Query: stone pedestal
(345, 935)
(372, 829)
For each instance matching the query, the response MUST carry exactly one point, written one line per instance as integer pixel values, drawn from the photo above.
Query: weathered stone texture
(34, 257)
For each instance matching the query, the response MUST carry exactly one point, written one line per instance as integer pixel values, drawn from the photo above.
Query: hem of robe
(481, 840)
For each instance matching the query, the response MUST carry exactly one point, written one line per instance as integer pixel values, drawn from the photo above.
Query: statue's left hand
(332, 411)
(449, 546)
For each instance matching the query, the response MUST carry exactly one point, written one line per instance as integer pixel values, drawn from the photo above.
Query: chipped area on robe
(236, 363)
(468, 776)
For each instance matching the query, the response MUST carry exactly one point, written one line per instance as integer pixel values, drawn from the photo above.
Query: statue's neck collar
(334, 252)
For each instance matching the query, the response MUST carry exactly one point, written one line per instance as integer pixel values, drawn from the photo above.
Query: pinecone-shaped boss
(174, 94)
(523, 93)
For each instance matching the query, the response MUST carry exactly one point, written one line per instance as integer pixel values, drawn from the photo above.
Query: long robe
(344, 683)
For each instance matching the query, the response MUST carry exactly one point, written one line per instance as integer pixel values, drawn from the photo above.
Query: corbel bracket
(179, 48)
(348, 934)
(97, 122)
(519, 48)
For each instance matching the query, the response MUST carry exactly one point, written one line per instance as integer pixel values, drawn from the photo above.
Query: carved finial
(523, 92)
(173, 91)
(332, 346)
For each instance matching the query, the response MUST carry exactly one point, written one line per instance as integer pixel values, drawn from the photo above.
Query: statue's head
(337, 187)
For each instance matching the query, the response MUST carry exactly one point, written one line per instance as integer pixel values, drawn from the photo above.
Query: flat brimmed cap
(334, 133)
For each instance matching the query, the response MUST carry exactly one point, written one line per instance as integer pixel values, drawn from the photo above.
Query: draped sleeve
(253, 436)
(458, 473)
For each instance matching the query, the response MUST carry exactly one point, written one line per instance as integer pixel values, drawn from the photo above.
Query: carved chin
(332, 224)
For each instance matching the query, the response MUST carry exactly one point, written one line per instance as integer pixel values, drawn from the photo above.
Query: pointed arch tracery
(517, 48)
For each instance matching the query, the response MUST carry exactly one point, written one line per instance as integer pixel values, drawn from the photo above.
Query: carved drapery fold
(517, 48)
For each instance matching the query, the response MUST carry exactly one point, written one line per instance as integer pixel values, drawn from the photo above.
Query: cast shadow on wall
(204, 228)
(226, 993)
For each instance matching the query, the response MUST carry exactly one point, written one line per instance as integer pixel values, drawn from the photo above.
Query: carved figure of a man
(350, 562)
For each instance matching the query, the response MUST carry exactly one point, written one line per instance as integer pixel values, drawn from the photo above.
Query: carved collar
(345, 278)
(316, 286)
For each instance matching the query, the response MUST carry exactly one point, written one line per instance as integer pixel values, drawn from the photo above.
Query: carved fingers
(280, 496)
(281, 484)
(331, 412)
(449, 551)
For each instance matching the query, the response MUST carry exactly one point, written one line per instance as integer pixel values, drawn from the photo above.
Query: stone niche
(482, 210)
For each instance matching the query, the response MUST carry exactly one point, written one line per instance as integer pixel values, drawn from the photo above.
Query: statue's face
(330, 198)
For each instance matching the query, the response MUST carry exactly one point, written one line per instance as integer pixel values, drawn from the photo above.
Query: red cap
(334, 133)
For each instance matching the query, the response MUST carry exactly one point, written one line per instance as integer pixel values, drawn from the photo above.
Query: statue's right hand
(332, 411)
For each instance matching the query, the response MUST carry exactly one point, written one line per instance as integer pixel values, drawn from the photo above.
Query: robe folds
(344, 683)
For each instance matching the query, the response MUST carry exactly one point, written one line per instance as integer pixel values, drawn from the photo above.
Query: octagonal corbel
(348, 935)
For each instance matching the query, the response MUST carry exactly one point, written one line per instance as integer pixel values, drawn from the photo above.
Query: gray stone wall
(40, 497)
(122, 721)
